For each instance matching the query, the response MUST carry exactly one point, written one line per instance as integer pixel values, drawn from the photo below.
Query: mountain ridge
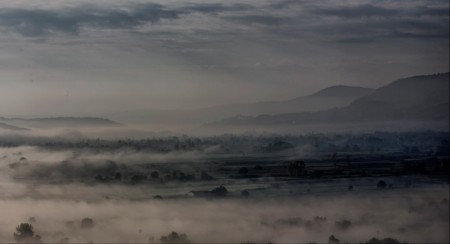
(418, 101)
(321, 99)
(58, 122)
(6, 126)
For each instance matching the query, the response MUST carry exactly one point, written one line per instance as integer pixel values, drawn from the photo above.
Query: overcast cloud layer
(81, 58)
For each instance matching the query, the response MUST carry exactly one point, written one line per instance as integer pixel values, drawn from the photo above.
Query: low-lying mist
(405, 216)
(142, 131)
(56, 184)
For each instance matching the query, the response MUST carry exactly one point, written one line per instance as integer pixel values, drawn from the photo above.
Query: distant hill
(420, 98)
(4, 126)
(68, 122)
(335, 96)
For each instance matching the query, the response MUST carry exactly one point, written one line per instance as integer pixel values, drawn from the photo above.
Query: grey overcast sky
(61, 57)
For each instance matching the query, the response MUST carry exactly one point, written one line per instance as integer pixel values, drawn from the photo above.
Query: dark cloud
(367, 31)
(370, 10)
(285, 4)
(213, 8)
(259, 19)
(365, 22)
(368, 21)
(359, 11)
(35, 22)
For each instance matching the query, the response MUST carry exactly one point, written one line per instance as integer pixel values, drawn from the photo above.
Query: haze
(224, 121)
(78, 58)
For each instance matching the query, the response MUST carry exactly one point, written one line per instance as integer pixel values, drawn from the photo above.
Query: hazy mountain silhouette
(68, 122)
(422, 98)
(335, 96)
(4, 126)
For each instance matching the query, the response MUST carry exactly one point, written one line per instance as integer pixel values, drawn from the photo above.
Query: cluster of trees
(296, 168)
(136, 176)
(25, 233)
(408, 142)
(174, 237)
(333, 240)
(313, 223)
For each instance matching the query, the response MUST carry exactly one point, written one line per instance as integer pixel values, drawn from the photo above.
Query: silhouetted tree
(220, 191)
(297, 168)
(343, 224)
(334, 160)
(381, 184)
(154, 175)
(174, 237)
(383, 241)
(118, 176)
(333, 240)
(245, 193)
(87, 223)
(205, 176)
(25, 233)
(64, 240)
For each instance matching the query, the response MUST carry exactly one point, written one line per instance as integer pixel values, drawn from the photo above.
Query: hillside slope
(419, 98)
(336, 96)
(52, 122)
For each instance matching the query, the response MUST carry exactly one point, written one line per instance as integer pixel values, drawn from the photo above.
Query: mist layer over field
(137, 191)
(405, 216)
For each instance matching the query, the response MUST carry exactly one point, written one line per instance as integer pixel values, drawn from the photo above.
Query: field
(269, 188)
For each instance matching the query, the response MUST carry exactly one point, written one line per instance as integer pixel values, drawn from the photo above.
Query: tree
(154, 175)
(87, 223)
(343, 225)
(25, 233)
(205, 176)
(293, 168)
(245, 193)
(174, 237)
(381, 184)
(64, 240)
(383, 241)
(118, 176)
(220, 191)
(333, 240)
(297, 168)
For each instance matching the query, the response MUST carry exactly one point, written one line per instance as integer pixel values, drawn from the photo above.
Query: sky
(61, 57)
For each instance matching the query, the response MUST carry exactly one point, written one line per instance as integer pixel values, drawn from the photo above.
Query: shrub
(381, 184)
(25, 233)
(87, 223)
(245, 193)
(333, 240)
(174, 237)
(220, 191)
(343, 225)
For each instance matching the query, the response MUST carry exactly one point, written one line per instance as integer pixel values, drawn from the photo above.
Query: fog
(405, 216)
(212, 121)
(49, 182)
(143, 131)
